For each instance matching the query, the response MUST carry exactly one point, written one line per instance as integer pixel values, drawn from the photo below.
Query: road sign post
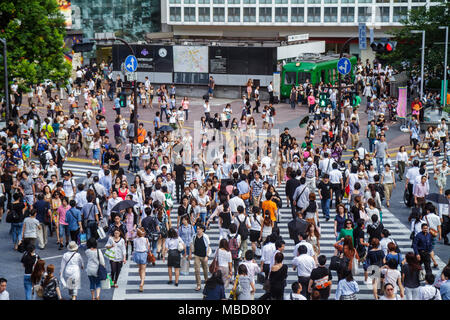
(362, 37)
(131, 63)
(344, 66)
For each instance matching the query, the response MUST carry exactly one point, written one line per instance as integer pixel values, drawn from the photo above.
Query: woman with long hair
(50, 285)
(36, 276)
(131, 221)
(267, 227)
(95, 147)
(347, 287)
(277, 277)
(346, 247)
(225, 261)
(214, 287)
(410, 276)
(141, 248)
(313, 237)
(117, 249)
(162, 220)
(256, 222)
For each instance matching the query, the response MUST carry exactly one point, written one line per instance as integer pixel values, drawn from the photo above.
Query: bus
(316, 69)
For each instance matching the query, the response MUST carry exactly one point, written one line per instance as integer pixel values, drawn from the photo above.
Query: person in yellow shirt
(48, 129)
(270, 206)
(141, 133)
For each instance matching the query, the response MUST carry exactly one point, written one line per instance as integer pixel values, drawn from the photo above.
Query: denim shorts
(96, 154)
(63, 230)
(140, 257)
(94, 282)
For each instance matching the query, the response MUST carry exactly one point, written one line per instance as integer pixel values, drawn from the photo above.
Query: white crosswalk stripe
(156, 286)
(78, 169)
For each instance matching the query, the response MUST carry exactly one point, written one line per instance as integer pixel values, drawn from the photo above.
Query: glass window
(174, 1)
(302, 76)
(265, 1)
(403, 1)
(249, 14)
(289, 78)
(313, 14)
(347, 1)
(314, 1)
(175, 14)
(219, 14)
(347, 14)
(203, 14)
(203, 1)
(382, 14)
(330, 1)
(418, 1)
(281, 14)
(382, 1)
(364, 1)
(281, 1)
(297, 1)
(234, 14)
(218, 1)
(364, 14)
(234, 1)
(297, 15)
(189, 1)
(265, 14)
(400, 13)
(189, 14)
(249, 1)
(330, 15)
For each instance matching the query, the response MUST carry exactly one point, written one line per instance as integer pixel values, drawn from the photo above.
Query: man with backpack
(297, 226)
(234, 243)
(244, 225)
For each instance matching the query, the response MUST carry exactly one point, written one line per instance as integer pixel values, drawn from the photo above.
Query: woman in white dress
(71, 266)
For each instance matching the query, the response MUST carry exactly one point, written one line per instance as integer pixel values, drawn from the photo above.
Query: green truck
(315, 69)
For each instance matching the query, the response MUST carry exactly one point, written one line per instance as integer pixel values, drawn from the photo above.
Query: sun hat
(72, 246)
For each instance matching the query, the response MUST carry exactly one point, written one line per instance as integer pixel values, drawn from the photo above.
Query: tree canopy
(34, 31)
(409, 44)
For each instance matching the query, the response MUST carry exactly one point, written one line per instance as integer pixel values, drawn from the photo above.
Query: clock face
(162, 52)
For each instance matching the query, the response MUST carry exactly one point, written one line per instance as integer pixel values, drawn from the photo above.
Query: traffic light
(323, 97)
(123, 100)
(383, 46)
(83, 46)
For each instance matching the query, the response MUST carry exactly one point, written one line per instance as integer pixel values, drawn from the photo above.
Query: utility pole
(338, 118)
(5, 69)
(444, 100)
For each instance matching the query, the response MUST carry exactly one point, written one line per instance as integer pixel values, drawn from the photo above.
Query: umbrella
(123, 205)
(166, 128)
(437, 197)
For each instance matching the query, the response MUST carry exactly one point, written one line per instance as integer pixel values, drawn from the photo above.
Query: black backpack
(243, 230)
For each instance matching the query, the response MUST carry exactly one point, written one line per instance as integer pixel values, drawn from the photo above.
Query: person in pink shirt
(62, 225)
(311, 102)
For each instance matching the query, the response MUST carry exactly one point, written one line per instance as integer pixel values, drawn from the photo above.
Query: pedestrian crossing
(78, 169)
(156, 286)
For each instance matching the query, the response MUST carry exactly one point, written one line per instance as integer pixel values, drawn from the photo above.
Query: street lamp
(423, 56)
(5, 68)
(444, 100)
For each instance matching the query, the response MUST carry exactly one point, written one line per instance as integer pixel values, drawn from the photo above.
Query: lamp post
(423, 57)
(112, 37)
(5, 68)
(444, 100)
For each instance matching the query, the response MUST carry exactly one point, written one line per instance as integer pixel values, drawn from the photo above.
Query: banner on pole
(402, 102)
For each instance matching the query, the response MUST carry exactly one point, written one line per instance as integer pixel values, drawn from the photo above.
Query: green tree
(409, 45)
(34, 31)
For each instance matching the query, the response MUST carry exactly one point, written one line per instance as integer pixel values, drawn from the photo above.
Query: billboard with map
(190, 59)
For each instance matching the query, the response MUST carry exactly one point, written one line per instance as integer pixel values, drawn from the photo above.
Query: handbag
(151, 257)
(335, 261)
(184, 266)
(214, 266)
(245, 196)
(234, 292)
(260, 277)
(101, 272)
(180, 246)
(433, 232)
(106, 284)
(110, 254)
(101, 233)
(39, 290)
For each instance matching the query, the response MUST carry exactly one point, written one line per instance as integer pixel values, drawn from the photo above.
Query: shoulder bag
(433, 232)
(101, 272)
(214, 266)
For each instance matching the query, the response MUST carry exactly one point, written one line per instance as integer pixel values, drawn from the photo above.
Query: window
(189, 1)
(175, 14)
(203, 14)
(265, 14)
(314, 1)
(330, 15)
(364, 1)
(313, 14)
(281, 14)
(281, 1)
(218, 1)
(347, 14)
(347, 1)
(189, 14)
(203, 1)
(289, 78)
(234, 1)
(403, 1)
(297, 1)
(249, 1)
(382, 14)
(249, 14)
(297, 15)
(219, 14)
(400, 13)
(302, 76)
(174, 1)
(234, 15)
(364, 14)
(382, 1)
(265, 1)
(329, 1)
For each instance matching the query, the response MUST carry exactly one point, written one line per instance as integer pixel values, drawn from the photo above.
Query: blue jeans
(94, 283)
(293, 104)
(135, 164)
(16, 232)
(326, 207)
(371, 144)
(28, 286)
(164, 110)
(91, 229)
(154, 246)
(203, 216)
(186, 111)
(380, 164)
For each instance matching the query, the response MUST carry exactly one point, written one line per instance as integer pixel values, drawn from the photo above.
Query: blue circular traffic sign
(131, 64)
(344, 66)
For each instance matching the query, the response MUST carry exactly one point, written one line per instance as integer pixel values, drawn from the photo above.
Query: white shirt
(295, 296)
(432, 220)
(252, 269)
(172, 243)
(224, 258)
(402, 156)
(4, 295)
(206, 107)
(307, 245)
(141, 244)
(111, 203)
(428, 291)
(148, 179)
(326, 165)
(412, 173)
(335, 176)
(80, 198)
(235, 202)
(267, 252)
(158, 195)
(304, 264)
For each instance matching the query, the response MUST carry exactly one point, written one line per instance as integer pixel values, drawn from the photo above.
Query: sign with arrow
(344, 66)
(131, 63)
